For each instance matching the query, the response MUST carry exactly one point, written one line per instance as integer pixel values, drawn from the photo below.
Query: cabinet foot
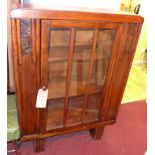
(97, 133)
(39, 145)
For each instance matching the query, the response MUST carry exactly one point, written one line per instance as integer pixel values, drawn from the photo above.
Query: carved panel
(26, 36)
(132, 29)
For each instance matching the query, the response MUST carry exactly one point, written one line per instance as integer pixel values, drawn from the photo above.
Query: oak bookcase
(82, 56)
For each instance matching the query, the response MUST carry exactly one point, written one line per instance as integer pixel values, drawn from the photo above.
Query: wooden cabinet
(83, 57)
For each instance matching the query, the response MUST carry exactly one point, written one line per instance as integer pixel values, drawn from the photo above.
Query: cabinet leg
(97, 133)
(39, 145)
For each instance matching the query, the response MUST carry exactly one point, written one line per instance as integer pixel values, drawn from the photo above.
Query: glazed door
(75, 57)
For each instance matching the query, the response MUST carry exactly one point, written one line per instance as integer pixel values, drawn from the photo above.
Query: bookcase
(82, 56)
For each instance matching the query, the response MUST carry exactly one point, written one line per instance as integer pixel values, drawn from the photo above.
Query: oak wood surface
(62, 131)
(71, 13)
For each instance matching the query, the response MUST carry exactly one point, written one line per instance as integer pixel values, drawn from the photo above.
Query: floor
(136, 85)
(126, 137)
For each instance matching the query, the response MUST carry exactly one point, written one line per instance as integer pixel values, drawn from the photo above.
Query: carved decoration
(26, 36)
(130, 38)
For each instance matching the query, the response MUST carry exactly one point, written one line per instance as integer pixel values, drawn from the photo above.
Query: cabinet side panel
(15, 66)
(27, 81)
(122, 70)
(28, 89)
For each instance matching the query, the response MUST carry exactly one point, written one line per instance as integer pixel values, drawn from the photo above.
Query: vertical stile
(93, 55)
(69, 69)
(38, 30)
(79, 75)
(96, 71)
(111, 69)
(43, 32)
(38, 43)
(34, 37)
(19, 40)
(16, 61)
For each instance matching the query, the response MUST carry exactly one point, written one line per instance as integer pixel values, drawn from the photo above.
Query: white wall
(112, 4)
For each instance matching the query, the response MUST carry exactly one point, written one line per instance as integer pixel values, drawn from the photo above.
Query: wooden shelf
(77, 88)
(60, 53)
(81, 53)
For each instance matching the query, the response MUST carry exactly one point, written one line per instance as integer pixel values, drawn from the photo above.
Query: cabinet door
(75, 59)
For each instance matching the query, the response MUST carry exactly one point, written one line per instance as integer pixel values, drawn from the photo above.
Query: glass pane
(55, 114)
(59, 44)
(83, 44)
(100, 66)
(57, 79)
(79, 76)
(75, 110)
(57, 58)
(103, 53)
(57, 74)
(91, 114)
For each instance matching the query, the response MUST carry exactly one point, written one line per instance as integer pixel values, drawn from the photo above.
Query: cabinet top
(72, 13)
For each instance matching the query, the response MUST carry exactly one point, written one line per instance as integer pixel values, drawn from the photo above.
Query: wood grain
(84, 14)
(16, 71)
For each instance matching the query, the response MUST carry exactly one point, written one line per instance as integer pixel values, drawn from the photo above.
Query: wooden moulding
(62, 131)
(71, 13)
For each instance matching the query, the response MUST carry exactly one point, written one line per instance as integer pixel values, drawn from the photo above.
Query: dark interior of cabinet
(84, 98)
